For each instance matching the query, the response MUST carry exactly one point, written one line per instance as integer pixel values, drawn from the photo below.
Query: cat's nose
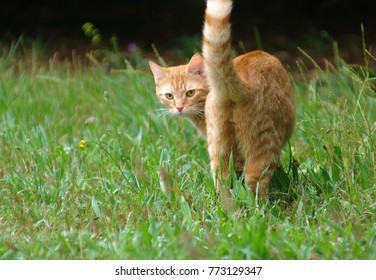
(179, 108)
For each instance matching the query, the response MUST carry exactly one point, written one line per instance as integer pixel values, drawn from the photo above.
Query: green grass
(141, 187)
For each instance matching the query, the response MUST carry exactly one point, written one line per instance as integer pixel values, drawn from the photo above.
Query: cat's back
(256, 60)
(269, 90)
(259, 68)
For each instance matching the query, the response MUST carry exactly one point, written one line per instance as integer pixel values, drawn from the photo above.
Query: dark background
(282, 24)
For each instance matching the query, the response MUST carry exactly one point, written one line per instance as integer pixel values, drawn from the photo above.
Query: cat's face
(182, 89)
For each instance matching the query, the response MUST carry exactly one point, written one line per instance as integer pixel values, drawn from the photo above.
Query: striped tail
(221, 74)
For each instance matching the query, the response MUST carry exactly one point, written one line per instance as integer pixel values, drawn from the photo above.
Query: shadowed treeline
(154, 21)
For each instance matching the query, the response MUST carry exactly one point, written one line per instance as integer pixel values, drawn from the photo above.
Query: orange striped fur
(248, 102)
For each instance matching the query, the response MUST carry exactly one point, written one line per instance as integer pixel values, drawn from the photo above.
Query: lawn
(139, 187)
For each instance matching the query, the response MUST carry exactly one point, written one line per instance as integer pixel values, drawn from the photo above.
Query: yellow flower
(82, 143)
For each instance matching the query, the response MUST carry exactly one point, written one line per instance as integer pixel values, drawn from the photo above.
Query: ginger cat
(244, 107)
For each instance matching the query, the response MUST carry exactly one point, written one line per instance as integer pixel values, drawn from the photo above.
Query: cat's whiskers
(164, 112)
(198, 112)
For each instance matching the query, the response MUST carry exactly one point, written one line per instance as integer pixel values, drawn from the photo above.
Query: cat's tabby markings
(244, 107)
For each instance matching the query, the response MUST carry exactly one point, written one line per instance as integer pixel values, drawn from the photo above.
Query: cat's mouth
(184, 112)
(189, 113)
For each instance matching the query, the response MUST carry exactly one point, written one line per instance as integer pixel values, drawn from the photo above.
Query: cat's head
(182, 89)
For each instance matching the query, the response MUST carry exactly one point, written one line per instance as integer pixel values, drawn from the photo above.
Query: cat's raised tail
(222, 76)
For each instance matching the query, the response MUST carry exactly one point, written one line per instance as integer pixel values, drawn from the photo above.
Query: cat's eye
(190, 93)
(169, 96)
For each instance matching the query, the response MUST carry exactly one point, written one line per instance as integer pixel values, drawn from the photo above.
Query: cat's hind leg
(258, 172)
(220, 140)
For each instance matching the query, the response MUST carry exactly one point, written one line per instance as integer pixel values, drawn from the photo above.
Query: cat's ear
(158, 72)
(196, 65)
